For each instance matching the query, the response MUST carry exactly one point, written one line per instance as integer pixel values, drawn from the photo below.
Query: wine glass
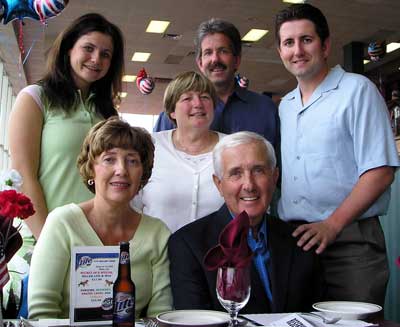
(233, 290)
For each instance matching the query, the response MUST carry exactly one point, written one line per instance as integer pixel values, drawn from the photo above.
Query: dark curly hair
(115, 133)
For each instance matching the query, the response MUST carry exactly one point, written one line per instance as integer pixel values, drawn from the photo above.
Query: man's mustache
(217, 65)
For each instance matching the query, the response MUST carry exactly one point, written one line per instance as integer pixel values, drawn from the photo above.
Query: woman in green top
(50, 119)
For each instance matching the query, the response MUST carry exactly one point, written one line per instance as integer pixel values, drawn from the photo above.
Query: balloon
(144, 83)
(48, 8)
(13, 9)
(242, 81)
(377, 50)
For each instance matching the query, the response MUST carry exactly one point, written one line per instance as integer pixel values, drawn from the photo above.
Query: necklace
(194, 149)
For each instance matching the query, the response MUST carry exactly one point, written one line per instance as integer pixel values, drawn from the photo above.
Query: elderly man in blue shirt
(338, 160)
(218, 55)
(284, 278)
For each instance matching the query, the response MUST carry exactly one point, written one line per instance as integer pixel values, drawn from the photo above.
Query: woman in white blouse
(181, 188)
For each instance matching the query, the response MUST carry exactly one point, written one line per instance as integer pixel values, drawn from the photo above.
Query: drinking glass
(233, 290)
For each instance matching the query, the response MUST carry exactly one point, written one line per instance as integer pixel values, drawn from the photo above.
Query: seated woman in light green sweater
(115, 162)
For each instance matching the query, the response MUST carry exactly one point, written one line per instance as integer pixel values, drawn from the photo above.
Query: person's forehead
(246, 154)
(297, 26)
(215, 40)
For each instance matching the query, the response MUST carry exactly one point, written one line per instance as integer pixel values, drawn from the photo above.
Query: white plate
(193, 318)
(347, 309)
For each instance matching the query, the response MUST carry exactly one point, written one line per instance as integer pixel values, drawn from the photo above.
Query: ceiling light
(392, 46)
(294, 1)
(365, 61)
(157, 26)
(141, 56)
(123, 94)
(254, 35)
(129, 78)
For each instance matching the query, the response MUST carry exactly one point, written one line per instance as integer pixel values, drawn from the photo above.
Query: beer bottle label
(124, 258)
(124, 307)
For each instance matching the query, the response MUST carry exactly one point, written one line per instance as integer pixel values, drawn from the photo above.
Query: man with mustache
(218, 55)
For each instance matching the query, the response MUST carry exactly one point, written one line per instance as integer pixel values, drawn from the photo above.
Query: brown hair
(58, 79)
(185, 82)
(115, 133)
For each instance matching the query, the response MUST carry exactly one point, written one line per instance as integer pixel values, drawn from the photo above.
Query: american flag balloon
(49, 8)
(242, 81)
(144, 83)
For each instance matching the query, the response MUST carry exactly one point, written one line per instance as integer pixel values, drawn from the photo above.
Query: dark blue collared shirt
(261, 256)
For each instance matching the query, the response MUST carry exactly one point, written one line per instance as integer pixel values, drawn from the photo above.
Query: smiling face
(247, 181)
(90, 58)
(118, 174)
(302, 52)
(217, 60)
(194, 110)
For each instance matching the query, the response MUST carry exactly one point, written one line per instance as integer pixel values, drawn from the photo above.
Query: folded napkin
(232, 250)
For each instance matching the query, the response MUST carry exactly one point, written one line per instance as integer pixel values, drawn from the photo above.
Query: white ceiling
(349, 20)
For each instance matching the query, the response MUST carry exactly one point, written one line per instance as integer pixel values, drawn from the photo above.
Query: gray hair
(215, 25)
(240, 138)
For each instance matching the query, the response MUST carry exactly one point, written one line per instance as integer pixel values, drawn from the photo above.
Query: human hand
(319, 234)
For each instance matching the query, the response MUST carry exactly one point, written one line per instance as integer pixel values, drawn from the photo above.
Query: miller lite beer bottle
(124, 291)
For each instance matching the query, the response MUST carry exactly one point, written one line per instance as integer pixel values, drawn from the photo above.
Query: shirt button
(295, 178)
(295, 201)
(298, 157)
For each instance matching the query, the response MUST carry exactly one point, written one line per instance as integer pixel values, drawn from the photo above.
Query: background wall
(391, 228)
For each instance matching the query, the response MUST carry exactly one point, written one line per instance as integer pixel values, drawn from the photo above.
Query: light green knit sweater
(67, 226)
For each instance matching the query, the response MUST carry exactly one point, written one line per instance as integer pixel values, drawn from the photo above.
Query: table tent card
(93, 272)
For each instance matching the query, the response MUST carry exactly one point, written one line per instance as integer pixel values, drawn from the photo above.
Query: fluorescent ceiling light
(365, 61)
(157, 26)
(123, 94)
(129, 78)
(141, 56)
(392, 46)
(254, 35)
(294, 1)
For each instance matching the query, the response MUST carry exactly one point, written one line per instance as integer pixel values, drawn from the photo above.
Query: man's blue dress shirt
(261, 256)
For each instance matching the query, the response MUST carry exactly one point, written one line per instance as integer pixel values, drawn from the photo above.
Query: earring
(90, 182)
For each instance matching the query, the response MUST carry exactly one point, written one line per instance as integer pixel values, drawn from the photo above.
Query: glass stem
(233, 313)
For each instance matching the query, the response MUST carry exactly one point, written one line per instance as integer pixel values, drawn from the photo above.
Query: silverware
(251, 321)
(151, 323)
(325, 320)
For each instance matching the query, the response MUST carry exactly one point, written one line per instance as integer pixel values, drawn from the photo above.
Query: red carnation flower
(14, 204)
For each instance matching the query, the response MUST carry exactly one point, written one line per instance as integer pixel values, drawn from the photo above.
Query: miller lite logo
(107, 303)
(123, 257)
(85, 261)
(123, 306)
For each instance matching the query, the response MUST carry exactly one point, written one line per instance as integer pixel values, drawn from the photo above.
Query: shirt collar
(261, 234)
(330, 82)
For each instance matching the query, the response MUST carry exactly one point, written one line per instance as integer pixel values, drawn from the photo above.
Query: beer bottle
(124, 291)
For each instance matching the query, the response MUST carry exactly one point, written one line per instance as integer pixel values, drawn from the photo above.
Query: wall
(391, 228)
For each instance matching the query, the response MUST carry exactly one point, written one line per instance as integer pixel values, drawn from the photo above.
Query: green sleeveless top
(62, 138)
